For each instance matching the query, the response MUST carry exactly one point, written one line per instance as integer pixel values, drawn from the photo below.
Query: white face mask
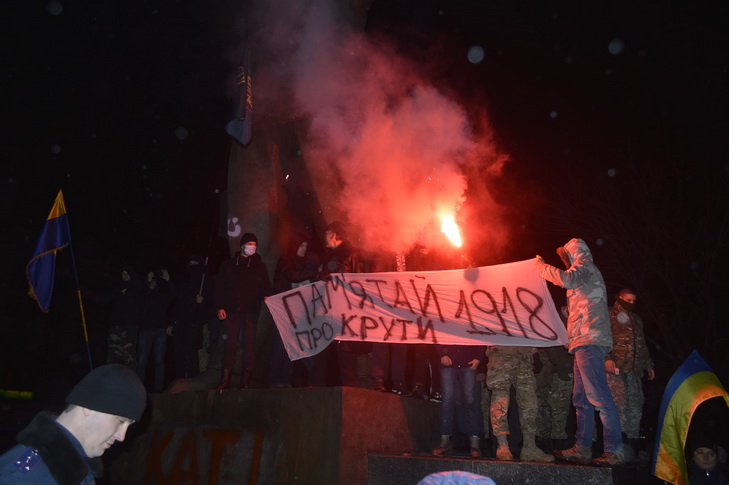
(249, 249)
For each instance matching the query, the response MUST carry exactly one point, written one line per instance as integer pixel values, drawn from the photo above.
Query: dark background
(123, 105)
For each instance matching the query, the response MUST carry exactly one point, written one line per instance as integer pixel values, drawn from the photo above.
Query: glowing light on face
(449, 227)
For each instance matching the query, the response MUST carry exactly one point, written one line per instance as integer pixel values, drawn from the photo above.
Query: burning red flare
(449, 227)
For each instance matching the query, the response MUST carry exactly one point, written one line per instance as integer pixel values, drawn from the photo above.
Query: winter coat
(241, 285)
(47, 454)
(629, 353)
(156, 305)
(343, 259)
(701, 477)
(292, 269)
(125, 300)
(588, 322)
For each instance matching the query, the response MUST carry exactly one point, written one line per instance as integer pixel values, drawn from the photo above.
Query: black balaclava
(628, 307)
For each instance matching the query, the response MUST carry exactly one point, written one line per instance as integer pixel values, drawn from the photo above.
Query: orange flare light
(449, 227)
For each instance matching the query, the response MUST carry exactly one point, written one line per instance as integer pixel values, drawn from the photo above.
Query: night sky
(614, 117)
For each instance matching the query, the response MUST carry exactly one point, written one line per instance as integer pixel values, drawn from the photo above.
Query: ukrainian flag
(693, 383)
(42, 266)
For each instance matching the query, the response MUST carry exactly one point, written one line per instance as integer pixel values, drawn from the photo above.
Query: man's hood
(577, 250)
(296, 240)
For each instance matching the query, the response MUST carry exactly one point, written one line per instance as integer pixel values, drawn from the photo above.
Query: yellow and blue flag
(693, 383)
(42, 266)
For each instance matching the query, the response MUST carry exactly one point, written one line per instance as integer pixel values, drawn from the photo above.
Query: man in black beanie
(67, 449)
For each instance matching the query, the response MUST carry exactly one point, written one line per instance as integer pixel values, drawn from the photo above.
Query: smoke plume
(389, 152)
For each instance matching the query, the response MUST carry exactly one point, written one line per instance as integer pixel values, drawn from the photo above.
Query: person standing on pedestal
(590, 340)
(240, 287)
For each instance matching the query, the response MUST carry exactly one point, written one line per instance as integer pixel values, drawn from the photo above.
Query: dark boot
(475, 442)
(245, 379)
(445, 447)
(503, 453)
(629, 452)
(224, 380)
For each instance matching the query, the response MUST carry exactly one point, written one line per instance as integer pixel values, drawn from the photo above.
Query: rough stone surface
(267, 436)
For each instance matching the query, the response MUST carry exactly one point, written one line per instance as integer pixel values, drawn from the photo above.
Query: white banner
(507, 304)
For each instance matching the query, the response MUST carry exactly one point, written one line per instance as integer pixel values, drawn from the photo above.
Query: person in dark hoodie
(126, 308)
(240, 287)
(298, 266)
(158, 297)
(66, 449)
(189, 314)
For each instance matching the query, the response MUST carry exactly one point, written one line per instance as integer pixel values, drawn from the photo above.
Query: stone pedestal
(271, 436)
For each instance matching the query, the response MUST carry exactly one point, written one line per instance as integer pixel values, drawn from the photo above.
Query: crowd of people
(526, 403)
(144, 313)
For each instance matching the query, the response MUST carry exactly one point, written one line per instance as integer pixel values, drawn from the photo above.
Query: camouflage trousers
(122, 345)
(627, 391)
(511, 366)
(486, 408)
(554, 396)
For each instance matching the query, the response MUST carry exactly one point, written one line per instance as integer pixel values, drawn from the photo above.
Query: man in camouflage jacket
(627, 361)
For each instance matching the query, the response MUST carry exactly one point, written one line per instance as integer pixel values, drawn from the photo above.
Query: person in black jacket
(298, 266)
(703, 466)
(160, 294)
(188, 318)
(342, 257)
(67, 449)
(240, 287)
(125, 300)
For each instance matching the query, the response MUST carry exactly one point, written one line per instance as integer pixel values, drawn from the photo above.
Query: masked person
(156, 301)
(188, 318)
(67, 449)
(240, 287)
(126, 308)
(590, 340)
(625, 365)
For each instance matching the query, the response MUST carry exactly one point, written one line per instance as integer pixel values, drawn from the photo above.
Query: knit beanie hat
(248, 237)
(702, 443)
(111, 389)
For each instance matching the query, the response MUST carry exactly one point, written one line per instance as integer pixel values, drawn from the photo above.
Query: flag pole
(78, 292)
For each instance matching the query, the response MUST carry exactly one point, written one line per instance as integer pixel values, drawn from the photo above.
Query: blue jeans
(590, 393)
(148, 338)
(463, 379)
